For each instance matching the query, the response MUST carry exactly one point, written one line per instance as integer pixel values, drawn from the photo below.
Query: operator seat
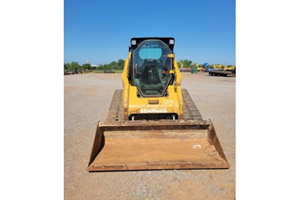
(150, 80)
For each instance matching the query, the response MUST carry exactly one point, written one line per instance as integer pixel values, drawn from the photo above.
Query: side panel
(178, 88)
(126, 86)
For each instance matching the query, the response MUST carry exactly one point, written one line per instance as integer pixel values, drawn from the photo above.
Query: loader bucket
(156, 145)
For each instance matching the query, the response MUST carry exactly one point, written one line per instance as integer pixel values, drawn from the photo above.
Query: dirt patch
(69, 89)
(87, 100)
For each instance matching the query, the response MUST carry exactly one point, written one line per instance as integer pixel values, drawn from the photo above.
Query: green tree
(67, 66)
(186, 63)
(104, 67)
(112, 65)
(99, 67)
(86, 66)
(74, 66)
(179, 64)
(121, 64)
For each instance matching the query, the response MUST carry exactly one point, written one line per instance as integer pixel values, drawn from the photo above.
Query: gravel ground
(87, 99)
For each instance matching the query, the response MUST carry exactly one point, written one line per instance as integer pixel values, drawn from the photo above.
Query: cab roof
(139, 40)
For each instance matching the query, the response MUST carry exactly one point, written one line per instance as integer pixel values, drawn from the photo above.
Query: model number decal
(169, 101)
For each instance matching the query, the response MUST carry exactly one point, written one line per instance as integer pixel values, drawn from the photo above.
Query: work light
(133, 42)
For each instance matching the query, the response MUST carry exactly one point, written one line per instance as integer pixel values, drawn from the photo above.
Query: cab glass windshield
(151, 67)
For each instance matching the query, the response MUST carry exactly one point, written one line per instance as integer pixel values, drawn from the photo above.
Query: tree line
(118, 65)
(114, 65)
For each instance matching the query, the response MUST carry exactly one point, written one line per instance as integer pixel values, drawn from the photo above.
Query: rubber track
(116, 111)
(115, 107)
(190, 110)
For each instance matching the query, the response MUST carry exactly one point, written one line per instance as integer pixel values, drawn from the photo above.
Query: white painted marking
(197, 146)
(153, 110)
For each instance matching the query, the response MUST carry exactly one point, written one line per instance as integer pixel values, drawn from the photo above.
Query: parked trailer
(185, 69)
(221, 73)
(109, 71)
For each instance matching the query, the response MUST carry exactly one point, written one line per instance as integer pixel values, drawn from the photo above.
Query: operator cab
(150, 65)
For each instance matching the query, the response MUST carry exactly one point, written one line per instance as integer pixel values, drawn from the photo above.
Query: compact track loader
(152, 123)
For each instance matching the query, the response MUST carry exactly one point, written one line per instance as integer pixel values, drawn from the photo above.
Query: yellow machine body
(173, 103)
(154, 126)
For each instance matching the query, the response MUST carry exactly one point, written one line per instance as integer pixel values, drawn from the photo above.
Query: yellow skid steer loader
(152, 123)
